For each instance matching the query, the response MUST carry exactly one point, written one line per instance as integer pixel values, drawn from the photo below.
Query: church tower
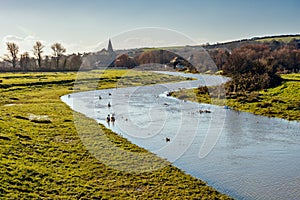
(110, 48)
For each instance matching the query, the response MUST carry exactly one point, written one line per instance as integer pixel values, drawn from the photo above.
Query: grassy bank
(42, 156)
(282, 101)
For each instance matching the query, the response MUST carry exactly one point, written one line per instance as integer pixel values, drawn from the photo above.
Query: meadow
(282, 101)
(285, 39)
(42, 156)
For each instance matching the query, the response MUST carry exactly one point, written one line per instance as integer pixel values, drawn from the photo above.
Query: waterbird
(112, 119)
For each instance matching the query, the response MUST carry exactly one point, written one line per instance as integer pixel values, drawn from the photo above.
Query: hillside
(255, 40)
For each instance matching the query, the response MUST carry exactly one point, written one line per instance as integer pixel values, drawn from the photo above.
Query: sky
(86, 25)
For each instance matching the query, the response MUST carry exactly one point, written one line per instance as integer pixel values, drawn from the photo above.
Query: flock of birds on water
(112, 118)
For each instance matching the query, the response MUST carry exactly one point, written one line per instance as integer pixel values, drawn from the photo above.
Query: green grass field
(279, 39)
(42, 155)
(282, 101)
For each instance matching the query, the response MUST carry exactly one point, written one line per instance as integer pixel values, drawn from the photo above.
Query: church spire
(110, 48)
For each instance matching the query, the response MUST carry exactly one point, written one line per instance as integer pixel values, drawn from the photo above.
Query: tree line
(58, 61)
(251, 66)
(257, 66)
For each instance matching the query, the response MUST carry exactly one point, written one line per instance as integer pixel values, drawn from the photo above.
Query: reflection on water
(244, 155)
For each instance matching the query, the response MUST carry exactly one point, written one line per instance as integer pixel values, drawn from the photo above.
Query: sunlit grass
(49, 160)
(279, 39)
(282, 101)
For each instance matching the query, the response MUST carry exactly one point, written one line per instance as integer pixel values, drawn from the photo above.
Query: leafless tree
(13, 50)
(38, 50)
(58, 51)
(24, 61)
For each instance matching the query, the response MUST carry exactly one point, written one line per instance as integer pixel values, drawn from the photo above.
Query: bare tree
(58, 51)
(75, 62)
(24, 61)
(13, 50)
(38, 50)
(47, 62)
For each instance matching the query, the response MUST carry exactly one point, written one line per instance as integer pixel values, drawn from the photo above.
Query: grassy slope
(282, 101)
(48, 160)
(280, 39)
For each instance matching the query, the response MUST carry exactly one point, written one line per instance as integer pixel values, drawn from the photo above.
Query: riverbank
(42, 155)
(282, 101)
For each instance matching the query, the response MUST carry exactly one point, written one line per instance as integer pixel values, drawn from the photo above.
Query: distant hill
(170, 58)
(280, 38)
(255, 40)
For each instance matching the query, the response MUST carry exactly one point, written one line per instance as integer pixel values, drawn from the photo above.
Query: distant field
(280, 39)
(162, 48)
(95, 79)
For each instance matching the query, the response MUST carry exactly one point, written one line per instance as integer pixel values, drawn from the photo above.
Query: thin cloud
(12, 38)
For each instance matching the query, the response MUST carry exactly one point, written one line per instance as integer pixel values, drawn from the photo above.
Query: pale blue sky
(81, 25)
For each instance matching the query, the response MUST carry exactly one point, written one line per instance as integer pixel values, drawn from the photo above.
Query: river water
(244, 155)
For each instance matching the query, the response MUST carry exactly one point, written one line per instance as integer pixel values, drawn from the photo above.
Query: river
(243, 155)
